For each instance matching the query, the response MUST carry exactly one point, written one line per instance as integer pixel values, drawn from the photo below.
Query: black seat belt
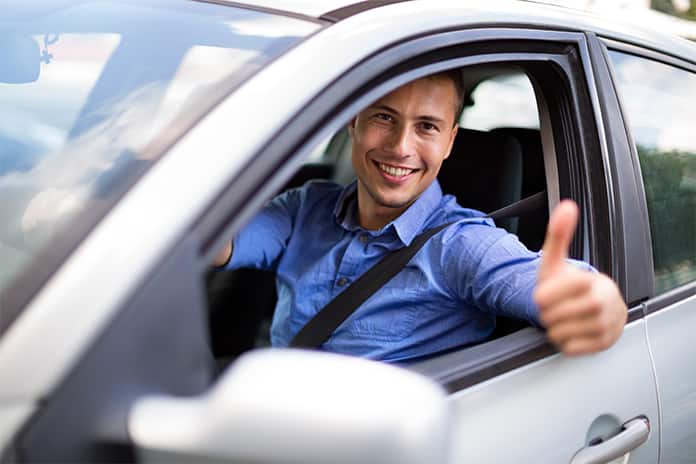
(520, 207)
(324, 322)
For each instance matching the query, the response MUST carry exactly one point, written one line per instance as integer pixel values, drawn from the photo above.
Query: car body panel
(671, 337)
(12, 416)
(546, 411)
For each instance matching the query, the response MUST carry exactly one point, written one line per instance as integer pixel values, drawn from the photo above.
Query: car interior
(496, 161)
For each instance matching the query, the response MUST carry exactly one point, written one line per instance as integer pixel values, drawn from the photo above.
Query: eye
(384, 117)
(429, 127)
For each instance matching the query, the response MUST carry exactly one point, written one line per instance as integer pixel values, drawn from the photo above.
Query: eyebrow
(426, 117)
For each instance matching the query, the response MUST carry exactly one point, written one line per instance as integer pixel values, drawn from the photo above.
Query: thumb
(559, 233)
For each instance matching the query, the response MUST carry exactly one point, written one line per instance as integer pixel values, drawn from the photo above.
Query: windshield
(87, 86)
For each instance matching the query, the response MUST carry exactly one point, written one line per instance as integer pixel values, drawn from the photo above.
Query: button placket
(349, 262)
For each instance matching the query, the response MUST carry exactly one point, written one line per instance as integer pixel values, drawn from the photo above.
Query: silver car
(137, 136)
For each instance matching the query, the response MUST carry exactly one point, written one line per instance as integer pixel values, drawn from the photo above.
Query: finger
(576, 328)
(574, 309)
(587, 345)
(566, 283)
(559, 234)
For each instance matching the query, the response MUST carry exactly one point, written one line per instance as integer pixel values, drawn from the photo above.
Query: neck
(373, 216)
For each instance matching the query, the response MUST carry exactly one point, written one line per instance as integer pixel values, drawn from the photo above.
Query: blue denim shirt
(447, 296)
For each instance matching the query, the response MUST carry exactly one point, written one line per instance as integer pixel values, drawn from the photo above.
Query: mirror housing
(20, 59)
(295, 406)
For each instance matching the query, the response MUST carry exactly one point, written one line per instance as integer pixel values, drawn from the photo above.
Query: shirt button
(364, 238)
(342, 281)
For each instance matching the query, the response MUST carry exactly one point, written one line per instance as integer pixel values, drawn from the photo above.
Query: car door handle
(633, 434)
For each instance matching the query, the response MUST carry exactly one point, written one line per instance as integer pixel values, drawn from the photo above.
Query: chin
(391, 201)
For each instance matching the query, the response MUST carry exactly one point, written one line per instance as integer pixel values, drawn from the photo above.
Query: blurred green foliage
(666, 6)
(669, 178)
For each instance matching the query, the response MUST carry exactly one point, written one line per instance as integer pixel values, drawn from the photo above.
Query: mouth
(394, 172)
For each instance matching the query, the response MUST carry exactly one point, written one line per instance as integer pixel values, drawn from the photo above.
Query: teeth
(398, 172)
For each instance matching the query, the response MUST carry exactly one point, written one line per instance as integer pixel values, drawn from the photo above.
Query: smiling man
(321, 237)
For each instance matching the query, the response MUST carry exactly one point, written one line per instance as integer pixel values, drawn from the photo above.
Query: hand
(224, 255)
(583, 311)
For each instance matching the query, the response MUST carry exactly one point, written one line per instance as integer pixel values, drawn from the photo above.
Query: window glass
(658, 100)
(85, 87)
(502, 101)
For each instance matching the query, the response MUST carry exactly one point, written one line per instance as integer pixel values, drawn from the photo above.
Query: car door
(515, 399)
(656, 92)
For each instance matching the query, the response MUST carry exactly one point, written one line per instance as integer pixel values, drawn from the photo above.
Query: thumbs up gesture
(582, 311)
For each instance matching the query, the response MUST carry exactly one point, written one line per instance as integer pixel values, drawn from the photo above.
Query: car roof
(614, 25)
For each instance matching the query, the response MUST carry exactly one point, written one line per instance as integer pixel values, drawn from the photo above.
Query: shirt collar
(344, 211)
(411, 221)
(407, 226)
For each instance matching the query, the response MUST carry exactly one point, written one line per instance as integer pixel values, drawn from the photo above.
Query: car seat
(484, 172)
(531, 226)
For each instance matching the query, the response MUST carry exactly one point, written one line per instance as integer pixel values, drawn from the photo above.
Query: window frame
(577, 135)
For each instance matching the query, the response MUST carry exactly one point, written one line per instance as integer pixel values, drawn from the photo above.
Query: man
(321, 237)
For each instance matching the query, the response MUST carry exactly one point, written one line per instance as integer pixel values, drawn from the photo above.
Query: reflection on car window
(506, 103)
(84, 89)
(658, 100)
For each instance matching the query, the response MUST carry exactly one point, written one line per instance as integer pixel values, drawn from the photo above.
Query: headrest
(484, 172)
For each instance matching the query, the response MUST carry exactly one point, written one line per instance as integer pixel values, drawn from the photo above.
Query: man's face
(399, 144)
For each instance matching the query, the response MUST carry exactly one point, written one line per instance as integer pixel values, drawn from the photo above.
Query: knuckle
(594, 303)
(557, 336)
(603, 324)
(545, 319)
(541, 297)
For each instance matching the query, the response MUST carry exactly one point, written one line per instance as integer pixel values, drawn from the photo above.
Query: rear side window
(659, 106)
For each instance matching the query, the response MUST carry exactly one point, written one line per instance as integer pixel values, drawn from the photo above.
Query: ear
(351, 127)
(452, 135)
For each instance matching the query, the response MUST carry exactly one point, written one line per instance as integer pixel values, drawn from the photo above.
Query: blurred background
(678, 16)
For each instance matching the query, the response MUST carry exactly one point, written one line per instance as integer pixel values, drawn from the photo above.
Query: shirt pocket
(384, 323)
(410, 280)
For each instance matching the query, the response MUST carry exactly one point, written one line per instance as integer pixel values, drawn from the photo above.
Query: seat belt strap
(323, 324)
(521, 207)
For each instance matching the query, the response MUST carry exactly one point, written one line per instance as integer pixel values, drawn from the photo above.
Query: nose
(401, 141)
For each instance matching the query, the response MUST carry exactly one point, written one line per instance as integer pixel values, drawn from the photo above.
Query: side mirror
(294, 406)
(20, 59)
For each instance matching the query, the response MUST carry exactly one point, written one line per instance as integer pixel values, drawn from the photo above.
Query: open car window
(496, 160)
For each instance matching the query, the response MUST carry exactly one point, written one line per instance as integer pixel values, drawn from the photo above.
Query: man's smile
(394, 172)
